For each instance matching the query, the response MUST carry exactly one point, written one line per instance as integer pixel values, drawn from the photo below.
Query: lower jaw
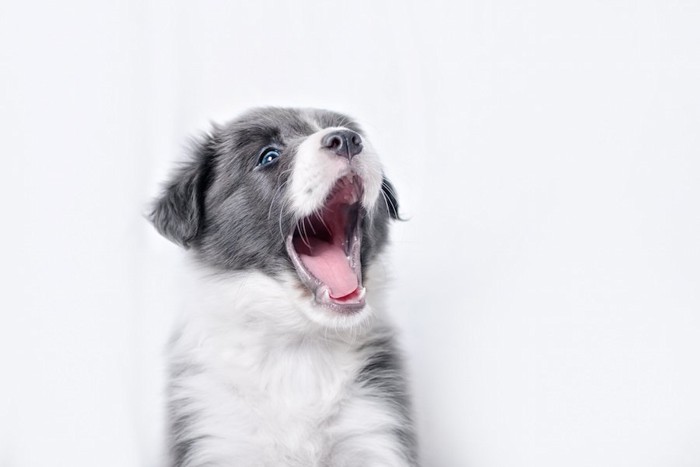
(352, 303)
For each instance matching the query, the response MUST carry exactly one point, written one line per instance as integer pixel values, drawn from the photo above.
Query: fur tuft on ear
(179, 212)
(389, 195)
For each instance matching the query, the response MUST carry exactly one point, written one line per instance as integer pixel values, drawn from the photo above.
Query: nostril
(356, 140)
(335, 143)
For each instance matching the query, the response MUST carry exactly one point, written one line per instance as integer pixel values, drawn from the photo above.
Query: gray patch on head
(178, 213)
(383, 375)
(234, 214)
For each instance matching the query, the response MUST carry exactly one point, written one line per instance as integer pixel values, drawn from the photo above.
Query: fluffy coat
(260, 373)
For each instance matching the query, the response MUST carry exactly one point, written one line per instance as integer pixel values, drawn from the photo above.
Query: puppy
(284, 357)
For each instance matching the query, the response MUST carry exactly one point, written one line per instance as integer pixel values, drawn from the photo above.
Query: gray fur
(383, 374)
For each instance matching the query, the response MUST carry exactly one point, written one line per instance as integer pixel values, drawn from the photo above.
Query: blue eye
(268, 156)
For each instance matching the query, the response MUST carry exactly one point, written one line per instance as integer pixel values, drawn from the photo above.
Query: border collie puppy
(284, 356)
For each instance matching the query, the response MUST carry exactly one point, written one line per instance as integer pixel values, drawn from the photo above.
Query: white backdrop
(546, 155)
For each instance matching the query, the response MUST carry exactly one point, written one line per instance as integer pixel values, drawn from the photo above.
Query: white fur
(316, 170)
(274, 388)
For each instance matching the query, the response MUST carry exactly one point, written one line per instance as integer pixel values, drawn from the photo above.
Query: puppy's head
(285, 190)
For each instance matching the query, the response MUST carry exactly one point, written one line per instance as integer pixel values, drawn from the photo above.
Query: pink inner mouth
(328, 263)
(326, 243)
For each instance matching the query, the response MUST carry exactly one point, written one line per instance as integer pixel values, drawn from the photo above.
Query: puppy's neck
(273, 311)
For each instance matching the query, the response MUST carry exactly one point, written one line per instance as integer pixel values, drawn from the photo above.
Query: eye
(268, 156)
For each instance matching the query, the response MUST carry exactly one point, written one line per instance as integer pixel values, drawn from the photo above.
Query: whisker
(389, 188)
(280, 227)
(320, 217)
(387, 201)
(277, 193)
(304, 235)
(277, 196)
(311, 224)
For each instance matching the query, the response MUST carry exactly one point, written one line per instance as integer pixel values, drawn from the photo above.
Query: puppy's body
(284, 357)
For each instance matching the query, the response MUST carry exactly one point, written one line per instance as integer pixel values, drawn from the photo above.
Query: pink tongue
(328, 263)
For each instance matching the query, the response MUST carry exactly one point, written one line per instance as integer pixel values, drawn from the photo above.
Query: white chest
(280, 399)
(255, 383)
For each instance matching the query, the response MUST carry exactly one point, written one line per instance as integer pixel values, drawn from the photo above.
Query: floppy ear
(389, 195)
(179, 212)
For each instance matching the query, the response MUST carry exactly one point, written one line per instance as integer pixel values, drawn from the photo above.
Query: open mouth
(325, 248)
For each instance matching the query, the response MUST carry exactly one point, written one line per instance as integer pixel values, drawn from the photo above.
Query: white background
(546, 155)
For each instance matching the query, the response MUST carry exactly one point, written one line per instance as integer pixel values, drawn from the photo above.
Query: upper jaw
(329, 242)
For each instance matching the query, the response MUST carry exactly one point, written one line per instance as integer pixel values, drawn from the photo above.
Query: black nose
(345, 143)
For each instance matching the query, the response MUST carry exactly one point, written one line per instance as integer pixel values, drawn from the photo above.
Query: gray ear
(392, 201)
(179, 212)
